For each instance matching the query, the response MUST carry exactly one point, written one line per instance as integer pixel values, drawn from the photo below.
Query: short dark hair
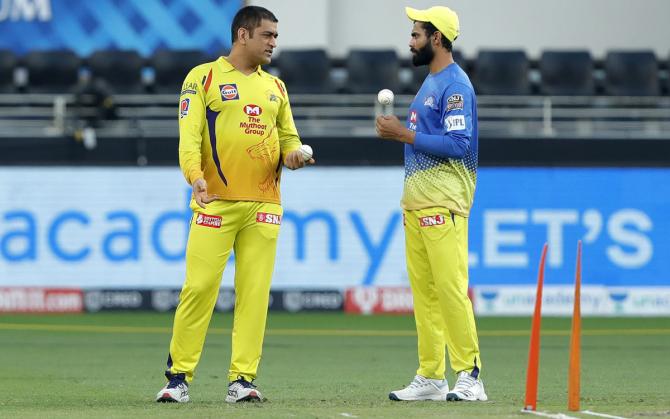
(250, 18)
(430, 29)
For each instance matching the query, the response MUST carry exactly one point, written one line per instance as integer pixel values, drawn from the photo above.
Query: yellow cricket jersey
(234, 131)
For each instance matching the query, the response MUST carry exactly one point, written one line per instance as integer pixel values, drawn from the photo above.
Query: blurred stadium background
(574, 106)
(575, 144)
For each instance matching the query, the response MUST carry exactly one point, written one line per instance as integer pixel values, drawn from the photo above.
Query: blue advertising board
(342, 227)
(86, 26)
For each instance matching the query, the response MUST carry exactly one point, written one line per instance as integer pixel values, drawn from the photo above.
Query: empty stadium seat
(419, 73)
(305, 71)
(631, 73)
(566, 73)
(502, 73)
(8, 63)
(121, 70)
(171, 66)
(372, 70)
(55, 71)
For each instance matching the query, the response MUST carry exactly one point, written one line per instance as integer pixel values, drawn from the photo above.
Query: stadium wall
(530, 25)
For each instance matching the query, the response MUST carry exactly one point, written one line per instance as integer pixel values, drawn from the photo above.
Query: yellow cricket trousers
(251, 229)
(436, 248)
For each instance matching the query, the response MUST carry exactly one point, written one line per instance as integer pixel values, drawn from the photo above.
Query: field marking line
(348, 415)
(305, 332)
(602, 415)
(548, 415)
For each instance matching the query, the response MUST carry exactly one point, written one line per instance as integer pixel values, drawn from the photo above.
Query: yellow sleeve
(191, 122)
(289, 140)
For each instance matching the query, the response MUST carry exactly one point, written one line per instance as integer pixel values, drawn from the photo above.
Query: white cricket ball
(306, 152)
(385, 97)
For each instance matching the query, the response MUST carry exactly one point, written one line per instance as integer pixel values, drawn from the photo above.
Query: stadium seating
(305, 71)
(171, 66)
(372, 70)
(502, 72)
(419, 73)
(566, 73)
(120, 69)
(631, 73)
(52, 71)
(8, 63)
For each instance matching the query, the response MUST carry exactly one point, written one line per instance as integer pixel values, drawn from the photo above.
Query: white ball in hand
(385, 97)
(306, 152)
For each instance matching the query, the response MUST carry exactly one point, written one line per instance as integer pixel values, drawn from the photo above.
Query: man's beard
(423, 56)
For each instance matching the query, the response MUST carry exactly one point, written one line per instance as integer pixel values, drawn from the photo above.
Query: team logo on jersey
(229, 92)
(271, 96)
(454, 122)
(213, 221)
(267, 218)
(431, 220)
(253, 110)
(183, 107)
(455, 102)
(429, 102)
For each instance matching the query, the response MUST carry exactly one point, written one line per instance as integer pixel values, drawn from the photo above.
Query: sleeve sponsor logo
(189, 88)
(454, 123)
(267, 218)
(183, 107)
(455, 102)
(229, 92)
(253, 110)
(412, 117)
(431, 220)
(213, 221)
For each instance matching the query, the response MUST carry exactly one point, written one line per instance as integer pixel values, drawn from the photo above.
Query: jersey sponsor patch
(229, 92)
(267, 218)
(183, 107)
(213, 221)
(253, 110)
(431, 220)
(454, 123)
(412, 117)
(189, 88)
(455, 102)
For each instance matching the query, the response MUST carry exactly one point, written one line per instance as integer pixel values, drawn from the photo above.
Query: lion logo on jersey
(265, 152)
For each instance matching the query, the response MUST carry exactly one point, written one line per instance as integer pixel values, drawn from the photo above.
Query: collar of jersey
(227, 66)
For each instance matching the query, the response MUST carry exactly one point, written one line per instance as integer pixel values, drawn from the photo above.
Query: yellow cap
(443, 18)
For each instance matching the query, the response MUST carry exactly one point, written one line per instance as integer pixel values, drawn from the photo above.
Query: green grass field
(319, 366)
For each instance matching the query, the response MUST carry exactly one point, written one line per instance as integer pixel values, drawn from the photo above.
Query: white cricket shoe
(467, 388)
(176, 391)
(241, 390)
(422, 388)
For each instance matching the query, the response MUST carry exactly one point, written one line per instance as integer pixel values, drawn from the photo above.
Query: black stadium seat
(502, 73)
(8, 63)
(372, 70)
(419, 73)
(631, 73)
(566, 73)
(305, 71)
(121, 70)
(55, 71)
(172, 66)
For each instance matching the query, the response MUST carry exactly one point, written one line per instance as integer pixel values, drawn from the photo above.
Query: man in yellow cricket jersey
(440, 136)
(235, 132)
